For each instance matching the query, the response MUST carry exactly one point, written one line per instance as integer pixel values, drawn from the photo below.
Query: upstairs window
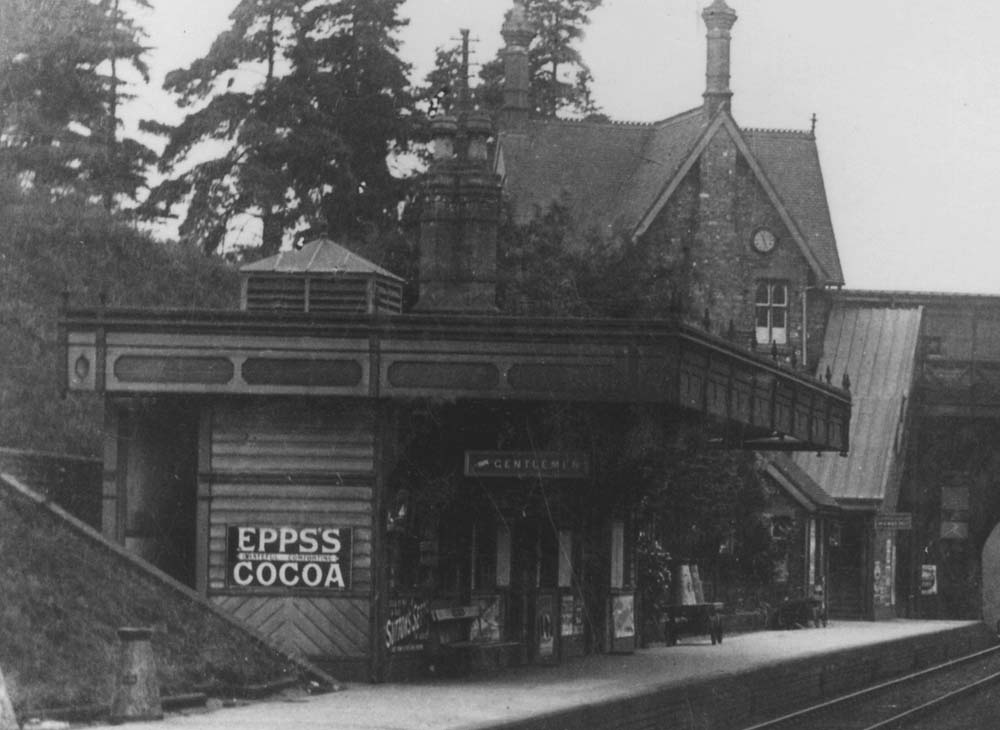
(771, 312)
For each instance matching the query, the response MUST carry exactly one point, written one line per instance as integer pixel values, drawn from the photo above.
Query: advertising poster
(545, 626)
(623, 610)
(928, 580)
(300, 558)
(489, 625)
(407, 626)
(571, 621)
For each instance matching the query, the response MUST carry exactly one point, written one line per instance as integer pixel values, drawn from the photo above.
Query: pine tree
(60, 91)
(126, 160)
(308, 143)
(362, 88)
(247, 124)
(560, 79)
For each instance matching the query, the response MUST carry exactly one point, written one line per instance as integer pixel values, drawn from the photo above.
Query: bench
(799, 613)
(450, 648)
(694, 619)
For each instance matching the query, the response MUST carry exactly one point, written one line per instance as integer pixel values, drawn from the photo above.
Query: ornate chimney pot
(443, 131)
(479, 127)
(719, 20)
(517, 31)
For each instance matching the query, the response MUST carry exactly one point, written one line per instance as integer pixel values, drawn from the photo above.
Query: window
(771, 312)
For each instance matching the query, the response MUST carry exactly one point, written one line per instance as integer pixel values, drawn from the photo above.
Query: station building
(334, 468)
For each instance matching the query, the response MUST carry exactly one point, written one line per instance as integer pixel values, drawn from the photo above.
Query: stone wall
(769, 691)
(704, 238)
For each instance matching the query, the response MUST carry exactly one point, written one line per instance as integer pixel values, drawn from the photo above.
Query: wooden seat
(450, 645)
(694, 619)
(799, 613)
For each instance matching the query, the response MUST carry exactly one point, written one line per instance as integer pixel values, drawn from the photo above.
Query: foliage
(560, 79)
(60, 89)
(548, 270)
(700, 498)
(702, 506)
(307, 144)
(71, 245)
(693, 501)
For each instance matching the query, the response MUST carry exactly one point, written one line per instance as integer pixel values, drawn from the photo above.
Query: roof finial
(812, 130)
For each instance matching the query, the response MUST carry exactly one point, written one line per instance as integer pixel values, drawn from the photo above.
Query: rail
(848, 711)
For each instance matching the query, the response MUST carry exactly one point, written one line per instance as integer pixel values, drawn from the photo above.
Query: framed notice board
(545, 641)
(621, 623)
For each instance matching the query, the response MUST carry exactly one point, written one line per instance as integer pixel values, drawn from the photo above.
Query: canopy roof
(320, 256)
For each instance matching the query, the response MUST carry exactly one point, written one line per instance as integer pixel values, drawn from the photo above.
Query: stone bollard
(8, 720)
(137, 689)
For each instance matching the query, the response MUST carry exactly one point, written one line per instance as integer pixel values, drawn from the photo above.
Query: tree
(60, 89)
(309, 142)
(127, 159)
(72, 245)
(693, 500)
(548, 269)
(362, 88)
(560, 79)
(249, 174)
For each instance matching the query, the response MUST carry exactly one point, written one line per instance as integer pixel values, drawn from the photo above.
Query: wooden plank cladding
(313, 626)
(289, 437)
(291, 477)
(460, 356)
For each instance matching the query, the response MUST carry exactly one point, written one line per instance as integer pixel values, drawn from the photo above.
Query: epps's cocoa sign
(294, 558)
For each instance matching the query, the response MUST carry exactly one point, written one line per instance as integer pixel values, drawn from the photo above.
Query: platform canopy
(756, 402)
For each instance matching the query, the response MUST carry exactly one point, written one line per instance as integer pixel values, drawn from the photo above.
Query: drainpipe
(805, 327)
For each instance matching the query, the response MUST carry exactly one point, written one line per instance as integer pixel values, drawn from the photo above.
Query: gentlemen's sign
(550, 464)
(289, 557)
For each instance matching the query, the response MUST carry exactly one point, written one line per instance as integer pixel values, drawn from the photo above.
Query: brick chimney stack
(719, 19)
(517, 32)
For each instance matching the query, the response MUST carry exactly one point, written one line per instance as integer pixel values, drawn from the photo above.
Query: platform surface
(482, 702)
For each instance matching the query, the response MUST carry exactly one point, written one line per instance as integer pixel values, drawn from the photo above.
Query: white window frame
(769, 307)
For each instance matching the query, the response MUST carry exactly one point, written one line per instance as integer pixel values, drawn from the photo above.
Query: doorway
(534, 588)
(159, 451)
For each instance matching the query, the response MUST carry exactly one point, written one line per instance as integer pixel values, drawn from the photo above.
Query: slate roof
(877, 346)
(608, 174)
(611, 175)
(791, 162)
(320, 256)
(798, 484)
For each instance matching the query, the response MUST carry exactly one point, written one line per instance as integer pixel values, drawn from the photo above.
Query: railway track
(898, 702)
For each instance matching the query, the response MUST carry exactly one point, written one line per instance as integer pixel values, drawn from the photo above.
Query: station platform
(694, 684)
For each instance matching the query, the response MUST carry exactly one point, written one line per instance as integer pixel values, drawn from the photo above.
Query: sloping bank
(64, 592)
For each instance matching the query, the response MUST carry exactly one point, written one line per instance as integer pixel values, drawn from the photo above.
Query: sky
(906, 96)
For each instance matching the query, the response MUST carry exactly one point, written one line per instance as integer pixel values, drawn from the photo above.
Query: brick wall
(72, 482)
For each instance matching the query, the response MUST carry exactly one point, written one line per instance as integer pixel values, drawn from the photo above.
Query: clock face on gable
(764, 241)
